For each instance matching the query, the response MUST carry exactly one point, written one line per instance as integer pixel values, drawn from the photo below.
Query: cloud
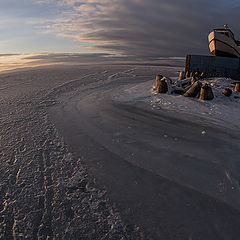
(137, 28)
(19, 61)
(8, 55)
(144, 28)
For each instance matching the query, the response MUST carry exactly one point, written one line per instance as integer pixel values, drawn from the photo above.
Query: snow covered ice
(221, 110)
(90, 152)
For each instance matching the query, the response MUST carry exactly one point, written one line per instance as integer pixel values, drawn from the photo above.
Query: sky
(135, 29)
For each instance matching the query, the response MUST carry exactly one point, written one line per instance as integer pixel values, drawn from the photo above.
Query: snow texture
(221, 110)
(91, 152)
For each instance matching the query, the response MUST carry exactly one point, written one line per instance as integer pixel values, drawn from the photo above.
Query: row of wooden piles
(190, 85)
(183, 75)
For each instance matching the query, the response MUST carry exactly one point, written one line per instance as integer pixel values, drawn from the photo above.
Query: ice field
(91, 152)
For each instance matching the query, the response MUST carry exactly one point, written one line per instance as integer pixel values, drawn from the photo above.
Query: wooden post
(202, 75)
(193, 90)
(193, 80)
(158, 78)
(162, 86)
(227, 92)
(237, 87)
(187, 74)
(197, 73)
(182, 76)
(206, 93)
(187, 65)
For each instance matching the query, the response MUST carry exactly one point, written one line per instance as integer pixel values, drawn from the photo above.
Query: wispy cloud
(18, 61)
(143, 28)
(8, 55)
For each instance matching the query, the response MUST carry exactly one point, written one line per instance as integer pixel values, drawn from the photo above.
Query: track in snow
(175, 176)
(100, 168)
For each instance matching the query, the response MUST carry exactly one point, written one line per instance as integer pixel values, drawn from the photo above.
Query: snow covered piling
(237, 87)
(193, 80)
(202, 75)
(227, 92)
(158, 78)
(169, 84)
(196, 86)
(206, 93)
(188, 74)
(162, 86)
(197, 73)
(193, 90)
(183, 83)
(182, 75)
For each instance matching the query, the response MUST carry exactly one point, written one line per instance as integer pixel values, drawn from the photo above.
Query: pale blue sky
(22, 28)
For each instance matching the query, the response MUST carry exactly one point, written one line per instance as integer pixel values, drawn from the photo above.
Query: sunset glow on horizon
(136, 28)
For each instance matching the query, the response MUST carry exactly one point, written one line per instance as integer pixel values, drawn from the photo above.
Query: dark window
(222, 33)
(225, 33)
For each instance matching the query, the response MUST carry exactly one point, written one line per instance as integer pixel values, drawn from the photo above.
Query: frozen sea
(91, 152)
